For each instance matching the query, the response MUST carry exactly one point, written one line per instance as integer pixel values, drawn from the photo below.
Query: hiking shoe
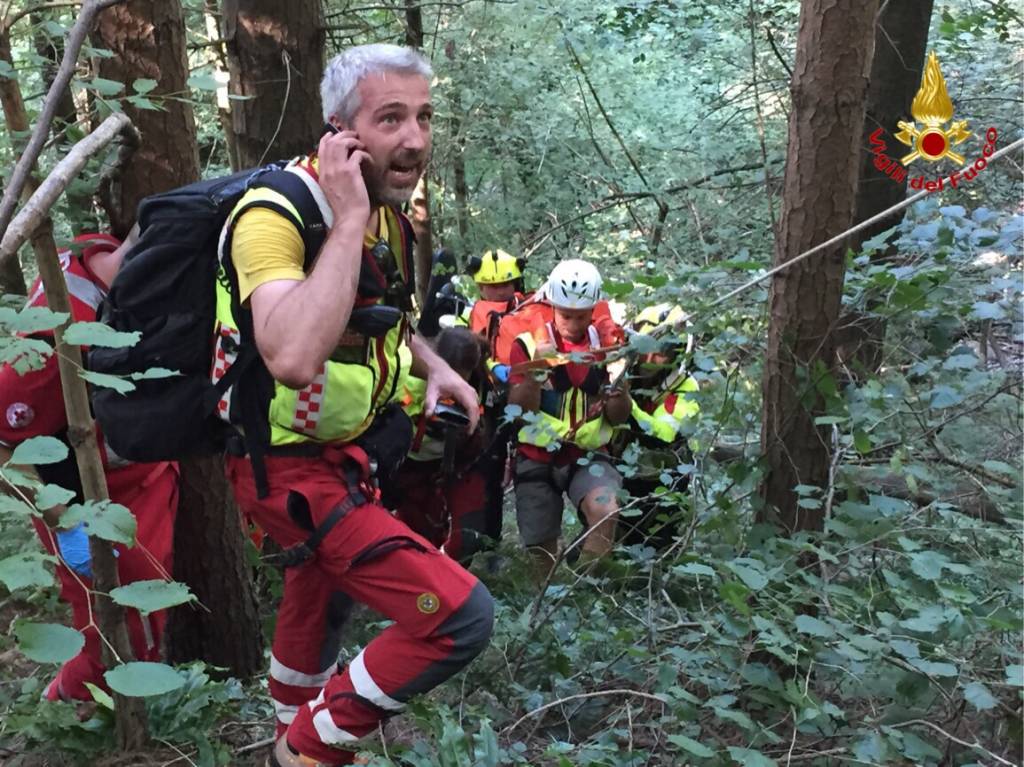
(284, 756)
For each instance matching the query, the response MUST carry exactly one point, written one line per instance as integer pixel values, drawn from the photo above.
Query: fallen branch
(581, 696)
(38, 206)
(23, 169)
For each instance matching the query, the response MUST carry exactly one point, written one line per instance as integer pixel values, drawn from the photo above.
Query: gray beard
(381, 194)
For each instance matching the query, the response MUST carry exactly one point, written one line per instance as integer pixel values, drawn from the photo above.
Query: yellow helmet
(496, 266)
(659, 314)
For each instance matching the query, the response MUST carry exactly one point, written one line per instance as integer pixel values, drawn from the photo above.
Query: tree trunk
(219, 57)
(901, 36)
(420, 204)
(12, 279)
(147, 38)
(224, 628)
(825, 128)
(275, 58)
(130, 723)
(51, 51)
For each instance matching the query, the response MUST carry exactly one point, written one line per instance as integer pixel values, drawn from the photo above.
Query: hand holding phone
(341, 155)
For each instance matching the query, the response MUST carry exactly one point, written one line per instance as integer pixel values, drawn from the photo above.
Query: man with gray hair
(333, 332)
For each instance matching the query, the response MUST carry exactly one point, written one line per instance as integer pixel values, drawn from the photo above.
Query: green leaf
(748, 757)
(872, 749)
(11, 505)
(142, 102)
(978, 695)
(808, 624)
(143, 85)
(19, 571)
(98, 334)
(52, 495)
(32, 319)
(694, 568)
(1015, 675)
(205, 82)
(140, 679)
(932, 668)
(750, 573)
(928, 564)
(919, 750)
(150, 596)
(153, 374)
(100, 696)
(105, 87)
(39, 450)
(738, 717)
(735, 593)
(691, 746)
(906, 648)
(103, 519)
(1001, 468)
(927, 621)
(116, 383)
(48, 642)
(861, 442)
(984, 310)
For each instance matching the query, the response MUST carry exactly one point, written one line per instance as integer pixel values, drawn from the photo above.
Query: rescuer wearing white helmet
(574, 411)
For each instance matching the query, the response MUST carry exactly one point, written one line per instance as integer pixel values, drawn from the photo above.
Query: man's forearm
(424, 358)
(305, 324)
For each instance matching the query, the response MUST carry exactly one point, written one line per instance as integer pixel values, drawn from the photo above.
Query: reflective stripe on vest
(362, 376)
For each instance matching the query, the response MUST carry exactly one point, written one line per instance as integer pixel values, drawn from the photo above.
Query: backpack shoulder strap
(312, 223)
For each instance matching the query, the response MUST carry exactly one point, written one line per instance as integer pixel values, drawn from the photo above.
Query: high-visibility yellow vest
(565, 420)
(361, 376)
(663, 416)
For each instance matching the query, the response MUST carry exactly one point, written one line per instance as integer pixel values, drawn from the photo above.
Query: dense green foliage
(892, 637)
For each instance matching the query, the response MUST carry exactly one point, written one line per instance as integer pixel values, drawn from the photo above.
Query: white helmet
(573, 284)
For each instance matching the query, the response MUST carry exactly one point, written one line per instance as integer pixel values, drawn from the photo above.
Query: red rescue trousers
(150, 491)
(442, 615)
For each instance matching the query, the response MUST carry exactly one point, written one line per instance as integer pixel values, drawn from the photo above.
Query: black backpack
(165, 289)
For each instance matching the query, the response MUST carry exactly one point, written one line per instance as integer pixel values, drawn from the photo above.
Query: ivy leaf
(104, 519)
(691, 746)
(48, 642)
(39, 450)
(150, 596)
(141, 679)
(98, 334)
(22, 570)
(807, 624)
(978, 695)
(748, 757)
(116, 383)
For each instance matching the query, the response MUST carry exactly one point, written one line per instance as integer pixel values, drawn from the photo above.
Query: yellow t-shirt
(266, 247)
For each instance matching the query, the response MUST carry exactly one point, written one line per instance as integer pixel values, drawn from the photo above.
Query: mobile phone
(451, 415)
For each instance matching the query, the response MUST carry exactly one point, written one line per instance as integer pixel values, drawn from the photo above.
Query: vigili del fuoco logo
(930, 139)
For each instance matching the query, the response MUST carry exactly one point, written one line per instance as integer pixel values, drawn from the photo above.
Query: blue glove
(74, 548)
(500, 373)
